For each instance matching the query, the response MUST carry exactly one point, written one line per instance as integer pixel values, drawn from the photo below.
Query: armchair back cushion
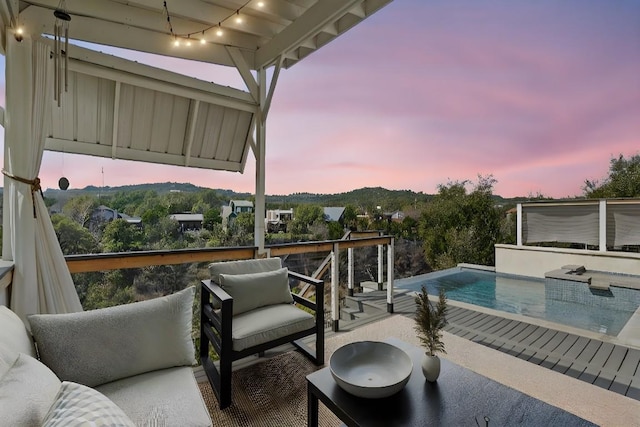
(255, 290)
(243, 267)
(98, 346)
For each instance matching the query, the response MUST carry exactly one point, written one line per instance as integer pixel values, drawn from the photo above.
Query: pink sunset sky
(539, 94)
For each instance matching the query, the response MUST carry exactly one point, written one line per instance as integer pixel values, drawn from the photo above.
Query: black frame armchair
(216, 330)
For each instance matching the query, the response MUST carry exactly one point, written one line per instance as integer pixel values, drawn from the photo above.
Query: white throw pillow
(254, 290)
(99, 346)
(14, 337)
(80, 406)
(26, 392)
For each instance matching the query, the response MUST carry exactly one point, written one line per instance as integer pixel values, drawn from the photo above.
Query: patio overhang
(268, 29)
(118, 108)
(124, 110)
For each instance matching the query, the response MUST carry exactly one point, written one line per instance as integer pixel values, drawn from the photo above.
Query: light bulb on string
(238, 17)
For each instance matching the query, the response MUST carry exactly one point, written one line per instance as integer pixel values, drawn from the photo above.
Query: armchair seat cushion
(267, 324)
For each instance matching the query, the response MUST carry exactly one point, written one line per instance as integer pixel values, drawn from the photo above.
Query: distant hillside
(362, 197)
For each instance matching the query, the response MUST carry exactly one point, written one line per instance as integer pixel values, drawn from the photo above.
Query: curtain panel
(41, 282)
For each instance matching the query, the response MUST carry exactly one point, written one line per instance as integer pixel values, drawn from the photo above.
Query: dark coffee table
(460, 397)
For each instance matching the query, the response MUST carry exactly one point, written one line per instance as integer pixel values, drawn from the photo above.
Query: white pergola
(120, 109)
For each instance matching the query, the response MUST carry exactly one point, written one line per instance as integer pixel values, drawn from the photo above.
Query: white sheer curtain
(41, 280)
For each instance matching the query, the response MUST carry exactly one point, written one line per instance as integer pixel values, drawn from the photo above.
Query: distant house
(188, 221)
(235, 207)
(278, 219)
(333, 213)
(396, 216)
(103, 214)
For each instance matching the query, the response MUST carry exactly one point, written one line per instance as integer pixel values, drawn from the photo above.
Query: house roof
(186, 217)
(333, 213)
(242, 203)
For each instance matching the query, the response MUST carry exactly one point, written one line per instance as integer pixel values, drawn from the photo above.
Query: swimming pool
(518, 295)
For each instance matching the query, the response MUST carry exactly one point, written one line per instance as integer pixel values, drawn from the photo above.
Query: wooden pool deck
(570, 351)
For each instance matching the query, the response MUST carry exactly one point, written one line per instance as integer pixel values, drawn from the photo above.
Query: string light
(236, 16)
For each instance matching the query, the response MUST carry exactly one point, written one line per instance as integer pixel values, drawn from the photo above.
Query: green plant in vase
(430, 320)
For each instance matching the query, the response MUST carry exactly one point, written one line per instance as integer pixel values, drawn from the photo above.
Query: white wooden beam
(259, 228)
(160, 86)
(311, 22)
(116, 121)
(244, 70)
(99, 150)
(9, 10)
(272, 87)
(191, 130)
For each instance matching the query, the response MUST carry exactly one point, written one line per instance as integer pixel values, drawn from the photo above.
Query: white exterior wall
(534, 261)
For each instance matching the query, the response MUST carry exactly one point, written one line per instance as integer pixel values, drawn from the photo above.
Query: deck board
(603, 364)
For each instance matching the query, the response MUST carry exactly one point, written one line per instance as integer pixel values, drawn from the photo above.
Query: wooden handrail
(118, 260)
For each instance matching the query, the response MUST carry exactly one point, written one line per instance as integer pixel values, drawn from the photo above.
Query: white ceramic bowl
(371, 369)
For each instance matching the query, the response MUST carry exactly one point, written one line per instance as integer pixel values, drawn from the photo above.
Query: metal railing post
(603, 226)
(335, 288)
(350, 271)
(380, 267)
(390, 267)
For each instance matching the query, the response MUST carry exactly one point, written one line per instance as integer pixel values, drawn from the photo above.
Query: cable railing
(88, 263)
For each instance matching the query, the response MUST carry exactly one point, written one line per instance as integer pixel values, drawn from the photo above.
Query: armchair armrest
(318, 305)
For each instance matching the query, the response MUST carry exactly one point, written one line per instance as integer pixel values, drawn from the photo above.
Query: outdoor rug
(269, 393)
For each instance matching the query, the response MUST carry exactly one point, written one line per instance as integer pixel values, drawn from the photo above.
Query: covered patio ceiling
(121, 109)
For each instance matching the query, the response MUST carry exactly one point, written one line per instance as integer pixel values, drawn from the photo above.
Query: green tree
(335, 230)
(350, 217)
(211, 217)
(461, 227)
(73, 237)
(305, 216)
(120, 236)
(623, 180)
(79, 209)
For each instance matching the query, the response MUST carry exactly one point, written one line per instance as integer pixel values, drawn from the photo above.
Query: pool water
(526, 297)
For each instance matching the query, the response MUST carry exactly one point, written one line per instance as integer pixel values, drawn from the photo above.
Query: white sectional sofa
(128, 365)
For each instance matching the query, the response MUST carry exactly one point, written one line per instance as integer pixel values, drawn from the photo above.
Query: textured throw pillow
(14, 337)
(98, 346)
(254, 290)
(26, 392)
(80, 406)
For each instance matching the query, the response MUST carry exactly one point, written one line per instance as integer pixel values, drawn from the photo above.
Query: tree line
(461, 223)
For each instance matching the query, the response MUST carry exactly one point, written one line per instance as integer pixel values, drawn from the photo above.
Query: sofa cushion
(266, 324)
(99, 346)
(168, 397)
(254, 290)
(27, 390)
(14, 338)
(76, 405)
(243, 267)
